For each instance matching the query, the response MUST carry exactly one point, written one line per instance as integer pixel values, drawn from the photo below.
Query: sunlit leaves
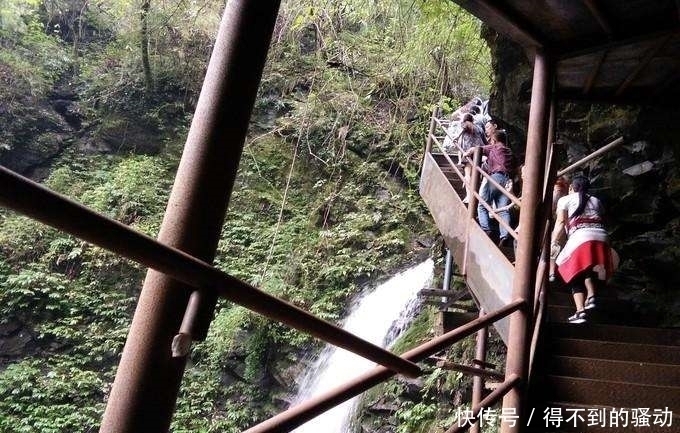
(311, 229)
(50, 396)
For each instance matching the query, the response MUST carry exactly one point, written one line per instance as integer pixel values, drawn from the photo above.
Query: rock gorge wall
(643, 208)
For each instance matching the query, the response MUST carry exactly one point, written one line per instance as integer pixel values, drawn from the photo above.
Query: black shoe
(505, 242)
(590, 303)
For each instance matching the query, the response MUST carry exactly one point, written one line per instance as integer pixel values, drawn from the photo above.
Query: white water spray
(379, 317)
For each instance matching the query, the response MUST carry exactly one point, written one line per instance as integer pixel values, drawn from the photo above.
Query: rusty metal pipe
(519, 339)
(478, 381)
(298, 415)
(588, 158)
(148, 378)
(545, 224)
(514, 199)
(476, 372)
(428, 139)
(474, 198)
(44, 205)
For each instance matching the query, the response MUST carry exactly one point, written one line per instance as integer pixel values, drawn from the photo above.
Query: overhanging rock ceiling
(619, 51)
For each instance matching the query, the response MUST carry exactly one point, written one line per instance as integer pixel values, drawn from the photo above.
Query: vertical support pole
(430, 132)
(550, 146)
(525, 269)
(544, 227)
(447, 274)
(147, 382)
(472, 204)
(549, 185)
(478, 381)
(428, 139)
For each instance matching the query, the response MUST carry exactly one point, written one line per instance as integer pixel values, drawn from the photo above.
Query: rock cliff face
(638, 181)
(36, 130)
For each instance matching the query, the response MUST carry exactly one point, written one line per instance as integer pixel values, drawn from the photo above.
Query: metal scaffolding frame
(178, 298)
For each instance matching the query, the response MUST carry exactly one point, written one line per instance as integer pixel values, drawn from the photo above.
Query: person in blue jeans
(500, 165)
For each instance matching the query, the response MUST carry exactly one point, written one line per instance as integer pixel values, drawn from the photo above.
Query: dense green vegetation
(326, 196)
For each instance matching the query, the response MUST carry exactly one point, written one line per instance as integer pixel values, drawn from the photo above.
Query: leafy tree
(144, 36)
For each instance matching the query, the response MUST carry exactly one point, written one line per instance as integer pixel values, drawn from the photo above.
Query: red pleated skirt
(593, 255)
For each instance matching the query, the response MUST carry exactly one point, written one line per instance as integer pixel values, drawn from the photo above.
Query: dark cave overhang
(610, 51)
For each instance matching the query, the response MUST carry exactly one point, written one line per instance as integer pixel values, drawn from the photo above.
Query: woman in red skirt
(586, 260)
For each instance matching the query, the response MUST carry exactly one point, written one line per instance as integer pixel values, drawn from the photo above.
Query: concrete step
(620, 333)
(644, 373)
(600, 315)
(615, 350)
(607, 295)
(453, 178)
(611, 393)
(441, 159)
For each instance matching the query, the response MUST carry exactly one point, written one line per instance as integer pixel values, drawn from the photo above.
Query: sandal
(579, 317)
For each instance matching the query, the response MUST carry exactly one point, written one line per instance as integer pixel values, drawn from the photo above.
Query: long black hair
(581, 185)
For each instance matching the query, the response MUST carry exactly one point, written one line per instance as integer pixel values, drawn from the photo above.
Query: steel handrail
(515, 200)
(298, 415)
(447, 157)
(511, 231)
(536, 311)
(49, 207)
(475, 371)
(601, 151)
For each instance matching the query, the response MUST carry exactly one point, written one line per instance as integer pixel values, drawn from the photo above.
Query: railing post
(525, 269)
(472, 202)
(478, 381)
(147, 382)
(446, 285)
(433, 124)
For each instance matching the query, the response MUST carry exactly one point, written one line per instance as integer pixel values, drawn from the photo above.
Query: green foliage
(416, 417)
(137, 187)
(35, 59)
(31, 62)
(50, 396)
(325, 199)
(14, 15)
(415, 334)
(33, 291)
(133, 190)
(75, 300)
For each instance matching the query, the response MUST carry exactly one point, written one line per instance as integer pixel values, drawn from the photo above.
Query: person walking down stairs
(586, 261)
(471, 136)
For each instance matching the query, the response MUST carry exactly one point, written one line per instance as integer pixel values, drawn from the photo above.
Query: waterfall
(378, 316)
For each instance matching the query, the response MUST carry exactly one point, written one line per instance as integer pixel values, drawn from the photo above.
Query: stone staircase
(609, 374)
